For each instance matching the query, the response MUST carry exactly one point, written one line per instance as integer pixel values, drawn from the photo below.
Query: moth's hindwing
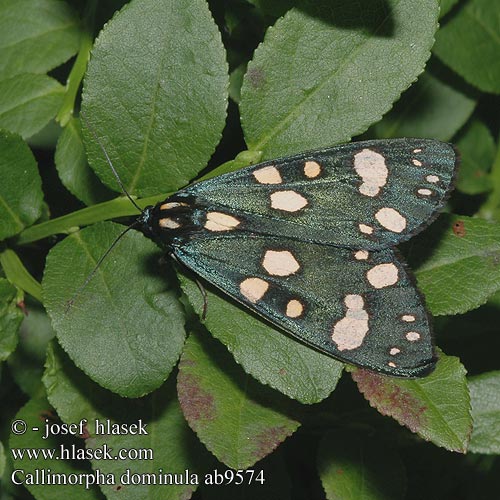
(358, 306)
(371, 194)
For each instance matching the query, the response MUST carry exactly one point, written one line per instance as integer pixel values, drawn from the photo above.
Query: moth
(308, 243)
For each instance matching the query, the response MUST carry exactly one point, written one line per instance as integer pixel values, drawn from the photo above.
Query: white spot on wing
(391, 219)
(253, 289)
(432, 178)
(365, 229)
(413, 336)
(361, 255)
(394, 351)
(350, 331)
(172, 204)
(371, 167)
(424, 192)
(392, 364)
(417, 163)
(409, 318)
(217, 221)
(268, 175)
(294, 308)
(312, 169)
(418, 150)
(280, 263)
(168, 223)
(382, 275)
(289, 201)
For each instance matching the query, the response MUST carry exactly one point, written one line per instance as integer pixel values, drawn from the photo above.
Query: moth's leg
(202, 289)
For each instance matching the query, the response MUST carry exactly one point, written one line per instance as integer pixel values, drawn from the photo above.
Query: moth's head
(145, 221)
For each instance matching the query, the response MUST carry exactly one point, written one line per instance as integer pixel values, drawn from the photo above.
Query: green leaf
(173, 445)
(2, 459)
(72, 167)
(11, 317)
(28, 102)
(34, 413)
(125, 329)
(21, 187)
(491, 207)
(328, 71)
(477, 151)
(276, 8)
(236, 418)
(430, 108)
(456, 263)
(436, 407)
(36, 35)
(469, 43)
(27, 361)
(484, 390)
(156, 94)
(269, 355)
(352, 467)
(446, 6)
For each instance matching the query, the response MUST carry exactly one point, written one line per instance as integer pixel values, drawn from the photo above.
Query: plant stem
(75, 78)
(18, 275)
(119, 207)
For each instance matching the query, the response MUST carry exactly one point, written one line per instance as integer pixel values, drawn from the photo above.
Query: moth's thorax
(178, 218)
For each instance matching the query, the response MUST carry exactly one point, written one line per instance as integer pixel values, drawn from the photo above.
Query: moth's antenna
(108, 159)
(71, 301)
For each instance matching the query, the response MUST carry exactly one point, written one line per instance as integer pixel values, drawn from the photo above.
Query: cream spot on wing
(172, 204)
(312, 169)
(289, 201)
(280, 263)
(409, 318)
(371, 167)
(417, 163)
(418, 150)
(168, 223)
(294, 308)
(253, 289)
(382, 275)
(394, 351)
(424, 192)
(361, 255)
(217, 221)
(432, 178)
(413, 336)
(391, 219)
(392, 364)
(268, 175)
(350, 331)
(365, 229)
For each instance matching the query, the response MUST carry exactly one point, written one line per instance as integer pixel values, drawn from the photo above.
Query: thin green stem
(18, 275)
(75, 78)
(119, 207)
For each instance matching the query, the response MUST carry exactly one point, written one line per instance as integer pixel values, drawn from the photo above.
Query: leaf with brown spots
(459, 228)
(236, 418)
(457, 263)
(298, 91)
(436, 407)
(264, 352)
